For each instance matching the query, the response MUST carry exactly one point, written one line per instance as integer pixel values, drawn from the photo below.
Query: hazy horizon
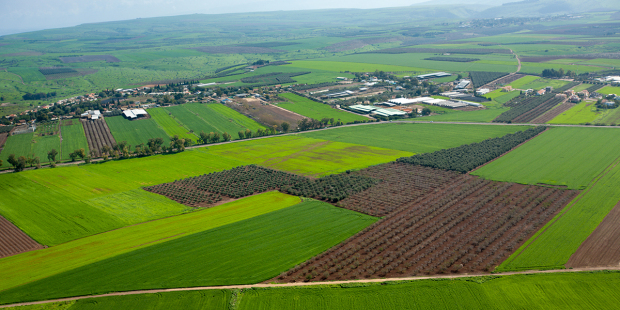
(33, 15)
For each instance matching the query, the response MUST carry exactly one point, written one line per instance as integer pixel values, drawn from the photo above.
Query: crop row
(98, 135)
(248, 180)
(479, 78)
(469, 225)
(538, 111)
(522, 107)
(400, 184)
(467, 157)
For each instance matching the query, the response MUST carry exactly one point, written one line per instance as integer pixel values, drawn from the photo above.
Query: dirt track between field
(351, 125)
(269, 285)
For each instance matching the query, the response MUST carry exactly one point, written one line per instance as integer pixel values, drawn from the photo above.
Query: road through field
(271, 285)
(351, 125)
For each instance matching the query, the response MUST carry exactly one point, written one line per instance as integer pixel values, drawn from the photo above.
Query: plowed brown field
(468, 224)
(13, 240)
(602, 247)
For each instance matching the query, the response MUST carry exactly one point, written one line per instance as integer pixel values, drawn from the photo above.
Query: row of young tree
(247, 180)
(467, 157)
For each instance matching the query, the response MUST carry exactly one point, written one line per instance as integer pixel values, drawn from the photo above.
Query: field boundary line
(566, 209)
(299, 284)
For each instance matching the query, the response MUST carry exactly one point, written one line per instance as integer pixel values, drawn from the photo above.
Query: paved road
(267, 285)
(351, 125)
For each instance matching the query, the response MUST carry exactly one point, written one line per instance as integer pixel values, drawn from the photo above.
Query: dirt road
(267, 285)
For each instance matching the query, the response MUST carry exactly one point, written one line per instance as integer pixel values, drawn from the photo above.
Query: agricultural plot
(339, 66)
(62, 219)
(243, 181)
(469, 225)
(582, 113)
(135, 132)
(481, 78)
(542, 291)
(200, 300)
(306, 156)
(98, 134)
(13, 240)
(553, 113)
(600, 248)
(247, 251)
(564, 156)
(415, 138)
(170, 125)
(73, 138)
(30, 145)
(33, 266)
(478, 116)
(607, 90)
(266, 114)
(89, 58)
(555, 243)
(315, 110)
(538, 110)
(520, 83)
(542, 83)
(235, 117)
(228, 121)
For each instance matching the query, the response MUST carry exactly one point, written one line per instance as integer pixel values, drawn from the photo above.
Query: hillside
(549, 7)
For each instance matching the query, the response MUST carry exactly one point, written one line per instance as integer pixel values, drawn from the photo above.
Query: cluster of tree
(467, 157)
(213, 137)
(260, 62)
(479, 78)
(19, 163)
(552, 73)
(247, 180)
(38, 96)
(311, 123)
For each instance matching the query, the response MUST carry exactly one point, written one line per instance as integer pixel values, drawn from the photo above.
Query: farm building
(340, 94)
(483, 91)
(388, 112)
(91, 114)
(453, 94)
(507, 88)
(134, 113)
(462, 84)
(541, 92)
(445, 103)
(363, 108)
(402, 101)
(433, 75)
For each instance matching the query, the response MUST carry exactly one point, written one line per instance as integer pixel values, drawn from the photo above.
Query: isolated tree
(426, 111)
(188, 142)
(12, 160)
(215, 137)
(0, 162)
(204, 138)
(226, 136)
(51, 155)
(285, 127)
(81, 153)
(241, 134)
(248, 133)
(21, 163)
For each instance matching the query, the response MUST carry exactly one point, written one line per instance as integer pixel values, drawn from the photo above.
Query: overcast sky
(27, 15)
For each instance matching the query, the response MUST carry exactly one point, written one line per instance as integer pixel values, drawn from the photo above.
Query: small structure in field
(91, 114)
(134, 113)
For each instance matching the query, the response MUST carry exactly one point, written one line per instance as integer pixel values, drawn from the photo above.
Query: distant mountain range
(529, 8)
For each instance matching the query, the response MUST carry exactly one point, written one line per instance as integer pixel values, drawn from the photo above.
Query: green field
(520, 83)
(135, 132)
(306, 156)
(552, 246)
(73, 138)
(200, 117)
(315, 110)
(582, 113)
(415, 138)
(19, 145)
(170, 125)
(609, 90)
(200, 300)
(339, 66)
(542, 83)
(49, 217)
(560, 156)
(543, 291)
(247, 251)
(479, 116)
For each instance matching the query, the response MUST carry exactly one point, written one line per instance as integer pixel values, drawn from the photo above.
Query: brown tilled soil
(265, 113)
(467, 225)
(553, 113)
(3, 137)
(13, 240)
(98, 134)
(602, 247)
